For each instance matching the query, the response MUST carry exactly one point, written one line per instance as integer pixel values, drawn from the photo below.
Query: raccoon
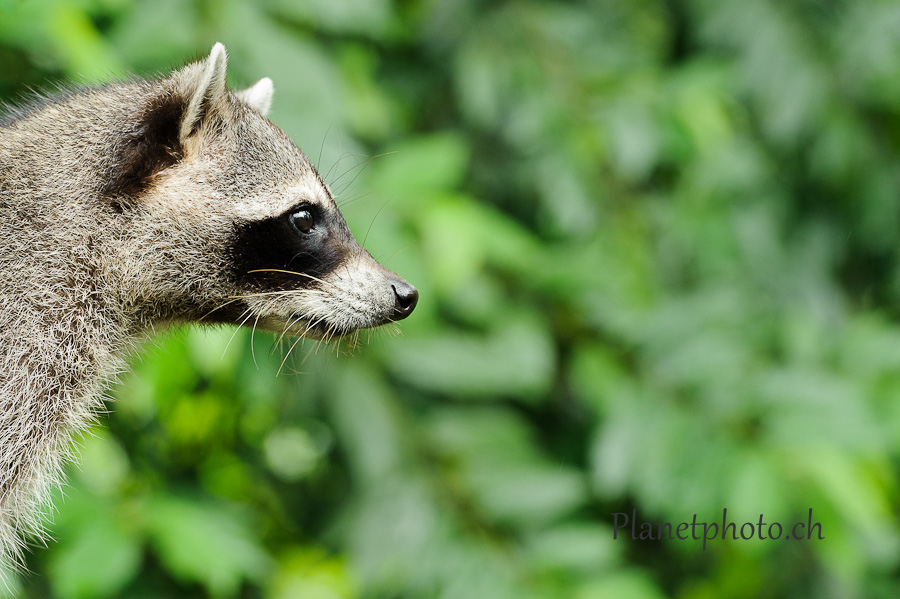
(135, 206)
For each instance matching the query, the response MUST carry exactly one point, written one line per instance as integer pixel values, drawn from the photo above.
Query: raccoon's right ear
(208, 95)
(258, 96)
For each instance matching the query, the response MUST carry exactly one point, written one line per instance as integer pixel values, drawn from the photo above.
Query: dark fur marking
(231, 313)
(151, 146)
(274, 243)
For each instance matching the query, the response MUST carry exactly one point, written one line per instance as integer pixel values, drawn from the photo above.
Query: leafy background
(656, 242)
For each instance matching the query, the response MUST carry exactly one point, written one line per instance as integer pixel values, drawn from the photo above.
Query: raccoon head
(229, 221)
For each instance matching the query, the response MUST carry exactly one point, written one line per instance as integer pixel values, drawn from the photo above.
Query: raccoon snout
(405, 298)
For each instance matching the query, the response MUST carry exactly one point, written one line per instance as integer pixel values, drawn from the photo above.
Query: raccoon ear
(156, 139)
(208, 94)
(258, 96)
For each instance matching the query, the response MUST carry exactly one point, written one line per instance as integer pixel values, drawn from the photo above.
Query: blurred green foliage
(656, 242)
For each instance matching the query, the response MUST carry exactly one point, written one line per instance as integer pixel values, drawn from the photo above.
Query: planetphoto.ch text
(625, 524)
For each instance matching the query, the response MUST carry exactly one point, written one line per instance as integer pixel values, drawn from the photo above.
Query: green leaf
(96, 562)
(198, 541)
(515, 360)
(310, 572)
(370, 18)
(421, 166)
(581, 546)
(526, 495)
(632, 584)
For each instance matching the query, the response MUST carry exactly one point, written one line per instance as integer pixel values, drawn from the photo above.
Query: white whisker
(238, 328)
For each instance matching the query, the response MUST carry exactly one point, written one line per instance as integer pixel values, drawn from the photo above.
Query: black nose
(406, 298)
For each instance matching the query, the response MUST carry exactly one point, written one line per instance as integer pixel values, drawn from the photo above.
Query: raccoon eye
(303, 220)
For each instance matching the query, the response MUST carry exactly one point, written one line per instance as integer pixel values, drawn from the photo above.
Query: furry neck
(58, 344)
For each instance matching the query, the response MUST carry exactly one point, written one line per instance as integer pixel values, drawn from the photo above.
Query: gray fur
(136, 206)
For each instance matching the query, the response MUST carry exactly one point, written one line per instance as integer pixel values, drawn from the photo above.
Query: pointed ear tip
(218, 56)
(266, 84)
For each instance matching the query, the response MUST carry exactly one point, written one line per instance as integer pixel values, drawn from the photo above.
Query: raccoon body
(136, 206)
